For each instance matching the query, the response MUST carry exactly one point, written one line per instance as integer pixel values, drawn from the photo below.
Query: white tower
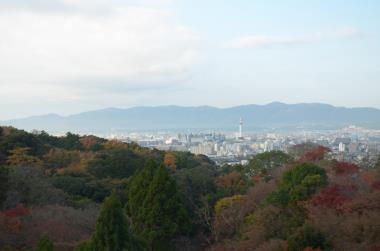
(240, 135)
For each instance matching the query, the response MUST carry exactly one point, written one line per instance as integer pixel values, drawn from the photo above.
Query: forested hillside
(86, 193)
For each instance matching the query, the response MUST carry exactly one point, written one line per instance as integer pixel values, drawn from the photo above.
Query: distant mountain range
(255, 117)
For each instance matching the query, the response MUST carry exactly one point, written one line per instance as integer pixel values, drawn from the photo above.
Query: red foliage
(13, 225)
(341, 168)
(318, 153)
(311, 249)
(330, 197)
(375, 185)
(11, 218)
(19, 210)
(88, 141)
(65, 226)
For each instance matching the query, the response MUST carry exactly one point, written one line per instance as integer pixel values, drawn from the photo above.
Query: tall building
(240, 133)
(342, 147)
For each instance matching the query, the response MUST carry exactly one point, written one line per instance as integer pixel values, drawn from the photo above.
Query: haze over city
(66, 56)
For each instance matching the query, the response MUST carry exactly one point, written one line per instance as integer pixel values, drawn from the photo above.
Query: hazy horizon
(67, 57)
(174, 105)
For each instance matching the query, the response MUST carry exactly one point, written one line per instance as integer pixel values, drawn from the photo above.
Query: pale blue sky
(69, 56)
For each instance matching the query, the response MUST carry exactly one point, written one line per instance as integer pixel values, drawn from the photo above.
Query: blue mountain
(273, 115)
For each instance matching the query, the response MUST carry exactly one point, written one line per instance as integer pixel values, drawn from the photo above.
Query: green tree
(308, 236)
(12, 138)
(198, 184)
(377, 166)
(165, 213)
(299, 183)
(45, 244)
(114, 163)
(112, 228)
(138, 190)
(262, 163)
(156, 208)
(71, 142)
(4, 183)
(84, 246)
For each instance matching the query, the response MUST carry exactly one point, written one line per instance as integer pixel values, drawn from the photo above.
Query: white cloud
(57, 51)
(269, 41)
(258, 41)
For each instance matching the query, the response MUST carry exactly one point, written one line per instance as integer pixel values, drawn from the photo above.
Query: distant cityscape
(351, 144)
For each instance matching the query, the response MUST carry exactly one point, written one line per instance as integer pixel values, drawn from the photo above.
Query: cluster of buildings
(351, 144)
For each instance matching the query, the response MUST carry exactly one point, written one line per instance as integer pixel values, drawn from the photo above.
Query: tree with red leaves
(19, 210)
(11, 218)
(311, 249)
(330, 197)
(341, 168)
(316, 154)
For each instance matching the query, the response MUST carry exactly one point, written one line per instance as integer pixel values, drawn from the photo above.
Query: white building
(342, 147)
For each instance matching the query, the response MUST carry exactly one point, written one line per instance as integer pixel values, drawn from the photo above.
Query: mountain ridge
(173, 117)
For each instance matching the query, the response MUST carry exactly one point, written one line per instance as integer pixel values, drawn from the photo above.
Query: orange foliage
(169, 161)
(231, 182)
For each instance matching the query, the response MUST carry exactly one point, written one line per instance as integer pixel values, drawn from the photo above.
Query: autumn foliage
(331, 197)
(316, 154)
(341, 168)
(301, 200)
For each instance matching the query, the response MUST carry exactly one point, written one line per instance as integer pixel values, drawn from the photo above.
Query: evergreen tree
(308, 236)
(45, 244)
(112, 233)
(137, 191)
(4, 183)
(84, 246)
(164, 214)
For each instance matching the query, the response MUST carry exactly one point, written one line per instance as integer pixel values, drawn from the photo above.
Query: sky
(70, 56)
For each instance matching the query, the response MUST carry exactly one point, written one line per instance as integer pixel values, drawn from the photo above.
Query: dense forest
(86, 193)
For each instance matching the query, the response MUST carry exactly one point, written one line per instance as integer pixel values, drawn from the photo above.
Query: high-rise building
(240, 132)
(342, 147)
(241, 128)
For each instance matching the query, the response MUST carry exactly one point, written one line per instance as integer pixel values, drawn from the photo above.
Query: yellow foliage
(226, 202)
(250, 218)
(20, 157)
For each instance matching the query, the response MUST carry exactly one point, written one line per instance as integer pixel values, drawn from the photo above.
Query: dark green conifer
(4, 184)
(162, 213)
(45, 244)
(137, 192)
(112, 233)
